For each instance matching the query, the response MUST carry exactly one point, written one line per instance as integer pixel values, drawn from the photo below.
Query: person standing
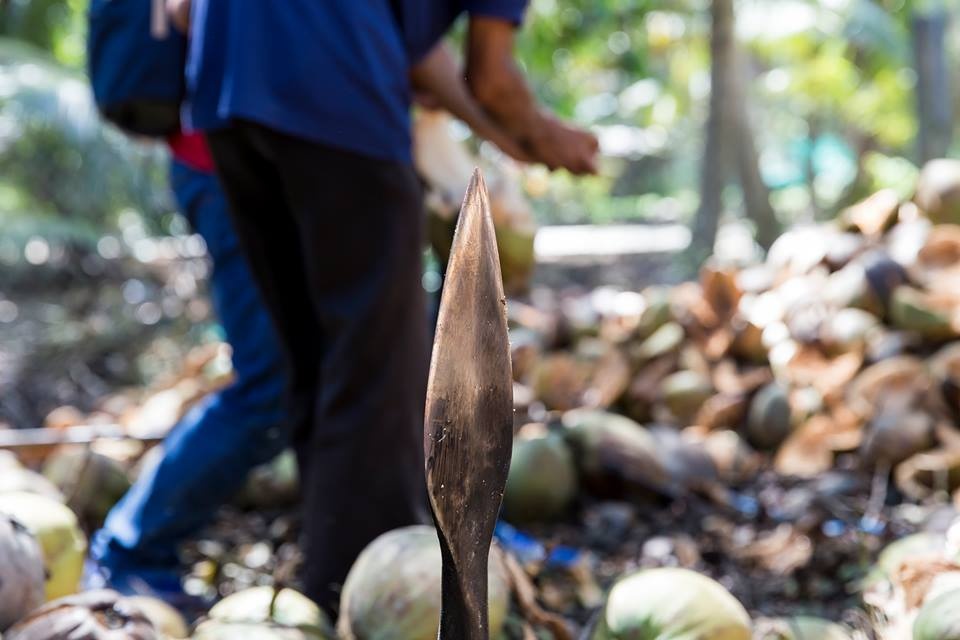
(207, 455)
(306, 105)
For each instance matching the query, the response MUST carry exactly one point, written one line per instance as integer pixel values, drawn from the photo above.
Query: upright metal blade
(468, 428)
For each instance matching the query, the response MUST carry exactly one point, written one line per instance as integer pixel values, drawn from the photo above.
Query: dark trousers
(334, 240)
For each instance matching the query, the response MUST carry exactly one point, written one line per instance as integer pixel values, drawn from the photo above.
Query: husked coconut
(262, 613)
(393, 589)
(21, 572)
(92, 615)
(800, 628)
(59, 535)
(939, 618)
(671, 604)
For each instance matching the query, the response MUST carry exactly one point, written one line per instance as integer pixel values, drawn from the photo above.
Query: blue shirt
(330, 71)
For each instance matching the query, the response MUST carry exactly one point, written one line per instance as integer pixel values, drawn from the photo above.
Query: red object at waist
(191, 149)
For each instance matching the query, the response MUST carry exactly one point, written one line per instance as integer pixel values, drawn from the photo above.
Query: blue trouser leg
(207, 455)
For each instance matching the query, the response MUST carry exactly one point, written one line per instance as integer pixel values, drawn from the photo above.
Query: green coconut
(614, 454)
(656, 314)
(514, 245)
(17, 479)
(938, 191)
(802, 628)
(543, 477)
(671, 604)
(915, 310)
(666, 339)
(684, 392)
(769, 420)
(274, 484)
(59, 534)
(393, 589)
(939, 618)
(91, 482)
(21, 572)
(164, 618)
(265, 614)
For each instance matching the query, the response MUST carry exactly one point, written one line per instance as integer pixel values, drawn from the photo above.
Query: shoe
(162, 584)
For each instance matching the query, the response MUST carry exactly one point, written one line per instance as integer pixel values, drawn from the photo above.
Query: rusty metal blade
(468, 427)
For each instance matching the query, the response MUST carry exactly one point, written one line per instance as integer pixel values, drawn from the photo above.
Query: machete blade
(468, 429)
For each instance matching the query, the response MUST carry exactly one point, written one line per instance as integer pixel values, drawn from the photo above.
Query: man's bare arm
(438, 82)
(501, 89)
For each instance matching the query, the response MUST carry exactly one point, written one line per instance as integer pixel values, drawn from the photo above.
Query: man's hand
(179, 12)
(502, 91)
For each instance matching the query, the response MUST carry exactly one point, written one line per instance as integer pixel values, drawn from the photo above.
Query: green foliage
(826, 79)
(62, 172)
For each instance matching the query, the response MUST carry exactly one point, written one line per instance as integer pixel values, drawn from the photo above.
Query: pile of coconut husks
(770, 452)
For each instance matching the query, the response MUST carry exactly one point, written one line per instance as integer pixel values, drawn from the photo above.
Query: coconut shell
(892, 437)
(883, 275)
(901, 381)
(945, 368)
(801, 628)
(165, 619)
(91, 482)
(543, 477)
(939, 618)
(769, 419)
(937, 263)
(93, 615)
(671, 604)
(916, 545)
(263, 613)
(220, 630)
(874, 215)
(21, 572)
(393, 589)
(938, 191)
(921, 475)
(59, 535)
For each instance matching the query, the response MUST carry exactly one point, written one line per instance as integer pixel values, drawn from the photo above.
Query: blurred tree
(56, 26)
(729, 140)
(719, 135)
(934, 98)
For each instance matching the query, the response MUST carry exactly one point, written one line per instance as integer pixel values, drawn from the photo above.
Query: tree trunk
(713, 171)
(756, 196)
(934, 104)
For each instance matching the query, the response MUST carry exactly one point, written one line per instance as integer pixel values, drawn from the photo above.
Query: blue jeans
(207, 455)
